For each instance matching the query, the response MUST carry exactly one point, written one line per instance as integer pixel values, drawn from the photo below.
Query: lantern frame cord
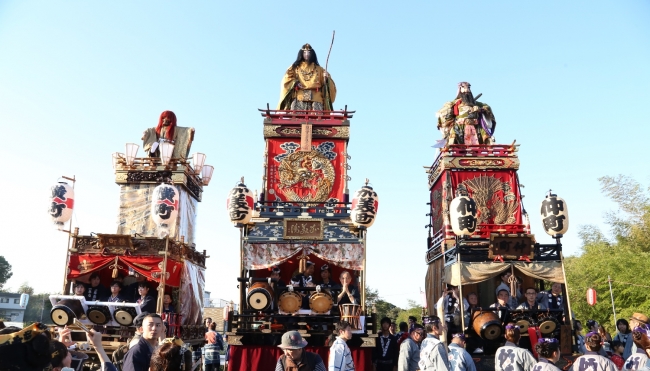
(69, 231)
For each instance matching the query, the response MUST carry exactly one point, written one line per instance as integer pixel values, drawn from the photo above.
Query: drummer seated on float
(275, 274)
(115, 296)
(146, 301)
(325, 276)
(305, 280)
(95, 291)
(167, 304)
(79, 288)
(503, 303)
(531, 300)
(349, 293)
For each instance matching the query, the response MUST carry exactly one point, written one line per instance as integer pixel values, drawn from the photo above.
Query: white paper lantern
(462, 215)
(164, 208)
(555, 215)
(24, 299)
(61, 203)
(365, 204)
(240, 204)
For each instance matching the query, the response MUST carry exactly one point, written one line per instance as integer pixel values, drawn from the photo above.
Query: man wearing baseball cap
(295, 358)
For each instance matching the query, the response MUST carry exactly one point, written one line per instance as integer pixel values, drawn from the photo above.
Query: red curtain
(290, 267)
(148, 266)
(264, 358)
(334, 149)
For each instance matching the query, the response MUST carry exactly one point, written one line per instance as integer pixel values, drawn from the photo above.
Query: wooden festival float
(302, 214)
(159, 196)
(479, 229)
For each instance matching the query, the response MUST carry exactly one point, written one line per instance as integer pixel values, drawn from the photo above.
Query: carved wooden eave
(150, 171)
(114, 244)
(288, 124)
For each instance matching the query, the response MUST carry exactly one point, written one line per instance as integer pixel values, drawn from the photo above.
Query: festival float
(302, 239)
(479, 229)
(154, 242)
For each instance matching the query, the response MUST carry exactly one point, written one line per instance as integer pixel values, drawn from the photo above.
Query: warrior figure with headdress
(306, 85)
(167, 131)
(465, 120)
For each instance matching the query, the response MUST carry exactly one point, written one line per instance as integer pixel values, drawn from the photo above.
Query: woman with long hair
(549, 353)
(591, 360)
(510, 356)
(623, 331)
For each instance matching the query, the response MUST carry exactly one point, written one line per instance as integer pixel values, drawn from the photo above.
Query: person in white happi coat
(459, 358)
(639, 359)
(340, 358)
(433, 354)
(591, 360)
(510, 357)
(637, 320)
(548, 350)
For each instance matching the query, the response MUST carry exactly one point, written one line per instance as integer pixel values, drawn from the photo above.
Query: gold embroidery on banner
(142, 266)
(485, 190)
(342, 132)
(270, 131)
(306, 177)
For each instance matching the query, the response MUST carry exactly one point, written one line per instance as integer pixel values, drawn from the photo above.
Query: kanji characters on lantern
(61, 203)
(462, 215)
(555, 215)
(164, 208)
(240, 204)
(364, 207)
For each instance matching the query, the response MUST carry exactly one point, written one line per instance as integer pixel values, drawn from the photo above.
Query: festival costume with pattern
(538, 306)
(593, 361)
(450, 306)
(636, 360)
(513, 302)
(618, 360)
(544, 365)
(340, 358)
(386, 352)
(461, 124)
(409, 355)
(460, 359)
(510, 357)
(115, 299)
(501, 312)
(210, 352)
(310, 95)
(433, 355)
(96, 293)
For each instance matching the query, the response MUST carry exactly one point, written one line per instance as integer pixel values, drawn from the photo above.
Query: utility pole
(611, 294)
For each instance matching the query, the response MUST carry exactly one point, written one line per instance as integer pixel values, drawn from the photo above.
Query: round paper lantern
(61, 203)
(240, 204)
(164, 207)
(462, 215)
(591, 297)
(364, 207)
(555, 215)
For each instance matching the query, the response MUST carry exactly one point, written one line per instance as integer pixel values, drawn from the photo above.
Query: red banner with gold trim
(496, 194)
(305, 176)
(81, 266)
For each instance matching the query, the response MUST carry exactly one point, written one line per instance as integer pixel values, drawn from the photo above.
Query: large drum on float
(523, 321)
(547, 324)
(65, 311)
(260, 296)
(352, 314)
(320, 302)
(125, 315)
(98, 314)
(290, 302)
(486, 324)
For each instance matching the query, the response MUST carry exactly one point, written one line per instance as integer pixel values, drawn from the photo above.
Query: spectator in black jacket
(138, 357)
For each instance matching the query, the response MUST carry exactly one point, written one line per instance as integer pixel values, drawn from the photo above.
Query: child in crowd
(617, 353)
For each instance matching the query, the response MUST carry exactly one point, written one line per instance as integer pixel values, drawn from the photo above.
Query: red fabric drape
(82, 265)
(290, 267)
(264, 358)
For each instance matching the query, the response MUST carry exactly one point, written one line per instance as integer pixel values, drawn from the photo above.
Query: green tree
(413, 309)
(26, 289)
(5, 271)
(382, 308)
(38, 309)
(623, 257)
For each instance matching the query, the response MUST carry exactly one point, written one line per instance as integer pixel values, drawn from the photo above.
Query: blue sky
(568, 80)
